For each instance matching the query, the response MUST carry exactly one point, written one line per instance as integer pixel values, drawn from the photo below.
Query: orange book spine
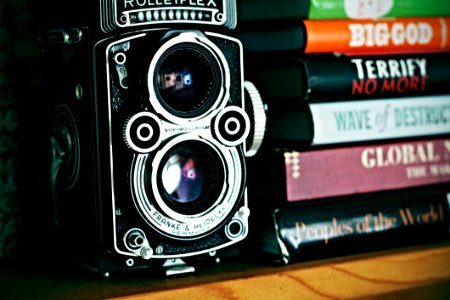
(388, 36)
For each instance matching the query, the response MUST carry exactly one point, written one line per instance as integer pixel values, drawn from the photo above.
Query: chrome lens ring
(188, 78)
(204, 212)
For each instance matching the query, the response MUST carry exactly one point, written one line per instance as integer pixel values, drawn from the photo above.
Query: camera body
(147, 134)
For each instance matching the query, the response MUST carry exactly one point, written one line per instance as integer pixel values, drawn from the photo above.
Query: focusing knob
(62, 36)
(256, 109)
(231, 126)
(142, 132)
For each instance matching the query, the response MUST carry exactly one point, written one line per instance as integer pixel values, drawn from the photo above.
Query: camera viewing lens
(191, 177)
(187, 80)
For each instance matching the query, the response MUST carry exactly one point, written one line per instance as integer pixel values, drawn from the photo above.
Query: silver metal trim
(111, 18)
(127, 134)
(111, 174)
(259, 118)
(186, 227)
(201, 128)
(216, 128)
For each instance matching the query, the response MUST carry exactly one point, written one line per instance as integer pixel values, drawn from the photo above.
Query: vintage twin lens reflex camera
(148, 133)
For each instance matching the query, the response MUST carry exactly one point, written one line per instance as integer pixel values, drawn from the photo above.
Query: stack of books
(356, 153)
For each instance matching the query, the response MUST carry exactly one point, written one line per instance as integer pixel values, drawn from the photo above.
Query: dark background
(23, 204)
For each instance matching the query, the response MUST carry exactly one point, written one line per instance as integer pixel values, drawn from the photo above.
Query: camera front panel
(177, 128)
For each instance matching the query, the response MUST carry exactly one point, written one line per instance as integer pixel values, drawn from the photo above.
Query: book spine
(269, 10)
(281, 81)
(364, 9)
(361, 224)
(273, 39)
(324, 77)
(376, 76)
(343, 122)
(377, 119)
(371, 37)
(317, 174)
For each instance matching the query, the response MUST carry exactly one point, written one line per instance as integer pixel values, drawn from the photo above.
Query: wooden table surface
(423, 273)
(420, 272)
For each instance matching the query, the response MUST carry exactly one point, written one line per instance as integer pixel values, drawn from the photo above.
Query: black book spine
(347, 78)
(281, 81)
(354, 225)
(289, 127)
(314, 78)
(269, 10)
(273, 38)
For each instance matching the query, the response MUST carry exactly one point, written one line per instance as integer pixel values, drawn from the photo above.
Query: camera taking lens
(192, 176)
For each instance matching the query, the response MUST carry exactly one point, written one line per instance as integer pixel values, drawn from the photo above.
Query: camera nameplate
(117, 14)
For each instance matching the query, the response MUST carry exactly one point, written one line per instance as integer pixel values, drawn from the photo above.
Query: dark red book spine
(362, 169)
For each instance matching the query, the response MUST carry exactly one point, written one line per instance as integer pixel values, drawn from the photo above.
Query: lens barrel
(187, 80)
(191, 177)
(191, 184)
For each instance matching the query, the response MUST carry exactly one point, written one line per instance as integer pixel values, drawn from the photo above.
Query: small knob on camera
(231, 126)
(142, 132)
(62, 36)
(146, 252)
(136, 242)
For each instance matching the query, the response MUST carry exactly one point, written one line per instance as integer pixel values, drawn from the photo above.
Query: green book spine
(365, 9)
